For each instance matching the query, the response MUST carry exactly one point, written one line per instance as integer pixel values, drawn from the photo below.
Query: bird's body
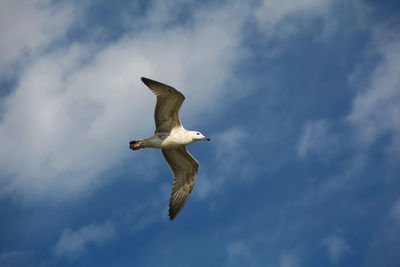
(165, 140)
(172, 138)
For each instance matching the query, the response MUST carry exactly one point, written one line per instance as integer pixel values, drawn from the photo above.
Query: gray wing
(184, 168)
(169, 101)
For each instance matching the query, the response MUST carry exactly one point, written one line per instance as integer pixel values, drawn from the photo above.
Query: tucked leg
(136, 144)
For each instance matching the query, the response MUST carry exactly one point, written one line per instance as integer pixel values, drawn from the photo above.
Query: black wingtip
(172, 215)
(144, 79)
(148, 82)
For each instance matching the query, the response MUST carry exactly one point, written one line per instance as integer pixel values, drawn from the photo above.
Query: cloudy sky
(300, 98)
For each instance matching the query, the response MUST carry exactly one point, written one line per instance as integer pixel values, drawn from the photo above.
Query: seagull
(172, 138)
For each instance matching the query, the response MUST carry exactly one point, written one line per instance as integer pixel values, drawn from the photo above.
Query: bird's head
(197, 136)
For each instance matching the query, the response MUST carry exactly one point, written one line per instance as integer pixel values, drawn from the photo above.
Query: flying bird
(172, 138)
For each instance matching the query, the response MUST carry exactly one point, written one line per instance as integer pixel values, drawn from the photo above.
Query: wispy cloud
(238, 253)
(376, 109)
(395, 213)
(230, 159)
(29, 26)
(385, 242)
(289, 260)
(270, 15)
(75, 107)
(291, 17)
(374, 114)
(317, 138)
(76, 103)
(124, 220)
(15, 258)
(73, 243)
(336, 247)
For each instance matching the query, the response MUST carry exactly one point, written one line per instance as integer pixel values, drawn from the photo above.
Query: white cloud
(238, 253)
(75, 107)
(384, 241)
(330, 186)
(395, 213)
(376, 109)
(375, 113)
(28, 26)
(317, 138)
(227, 141)
(336, 247)
(73, 243)
(269, 13)
(231, 160)
(287, 18)
(326, 16)
(15, 258)
(289, 260)
(133, 218)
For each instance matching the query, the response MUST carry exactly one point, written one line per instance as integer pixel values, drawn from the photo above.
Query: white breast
(177, 137)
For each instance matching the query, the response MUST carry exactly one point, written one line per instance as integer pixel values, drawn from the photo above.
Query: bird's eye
(198, 134)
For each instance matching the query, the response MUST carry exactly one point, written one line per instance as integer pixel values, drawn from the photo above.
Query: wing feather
(169, 102)
(184, 169)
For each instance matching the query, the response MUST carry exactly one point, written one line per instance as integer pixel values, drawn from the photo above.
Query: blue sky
(300, 98)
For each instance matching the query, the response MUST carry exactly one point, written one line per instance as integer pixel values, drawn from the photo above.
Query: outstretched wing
(184, 168)
(169, 101)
